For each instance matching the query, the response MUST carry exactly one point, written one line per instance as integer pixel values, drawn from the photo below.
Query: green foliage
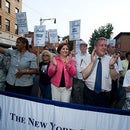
(103, 31)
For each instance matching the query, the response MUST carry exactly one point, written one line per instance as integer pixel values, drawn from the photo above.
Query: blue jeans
(45, 91)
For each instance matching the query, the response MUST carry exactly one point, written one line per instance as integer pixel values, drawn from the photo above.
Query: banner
(39, 35)
(46, 37)
(22, 114)
(74, 33)
(53, 37)
(22, 23)
(77, 46)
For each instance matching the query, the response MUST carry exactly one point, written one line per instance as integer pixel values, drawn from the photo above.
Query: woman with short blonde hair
(44, 79)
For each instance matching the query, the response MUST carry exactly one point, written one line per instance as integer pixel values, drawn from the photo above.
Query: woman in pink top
(61, 70)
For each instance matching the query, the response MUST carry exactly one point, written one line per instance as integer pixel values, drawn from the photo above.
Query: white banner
(77, 46)
(39, 35)
(22, 23)
(53, 37)
(74, 33)
(46, 37)
(21, 114)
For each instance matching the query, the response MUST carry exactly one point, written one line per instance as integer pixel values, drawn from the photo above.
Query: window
(16, 10)
(0, 3)
(7, 6)
(7, 25)
(16, 29)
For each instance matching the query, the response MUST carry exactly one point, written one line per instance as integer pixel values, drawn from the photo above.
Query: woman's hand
(54, 62)
(67, 60)
(19, 73)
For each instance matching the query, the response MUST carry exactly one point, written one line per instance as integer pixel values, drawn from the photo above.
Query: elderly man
(98, 71)
(78, 81)
(111, 50)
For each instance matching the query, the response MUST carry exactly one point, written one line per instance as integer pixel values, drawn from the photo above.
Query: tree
(103, 31)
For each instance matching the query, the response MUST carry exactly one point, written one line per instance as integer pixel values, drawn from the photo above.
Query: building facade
(123, 42)
(8, 23)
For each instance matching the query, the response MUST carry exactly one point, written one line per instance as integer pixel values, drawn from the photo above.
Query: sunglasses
(45, 55)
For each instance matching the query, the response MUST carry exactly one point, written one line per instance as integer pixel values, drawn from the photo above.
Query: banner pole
(38, 61)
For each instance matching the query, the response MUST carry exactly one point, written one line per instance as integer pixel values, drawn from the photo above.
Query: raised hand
(114, 59)
(93, 56)
(68, 59)
(54, 61)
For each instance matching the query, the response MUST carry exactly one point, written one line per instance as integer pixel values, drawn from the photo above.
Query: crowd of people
(98, 79)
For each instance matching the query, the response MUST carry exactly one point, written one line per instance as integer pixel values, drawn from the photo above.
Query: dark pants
(45, 91)
(18, 89)
(121, 95)
(114, 92)
(77, 91)
(35, 86)
(92, 98)
(121, 89)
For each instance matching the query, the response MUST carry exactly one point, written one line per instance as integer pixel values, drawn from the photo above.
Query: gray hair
(98, 39)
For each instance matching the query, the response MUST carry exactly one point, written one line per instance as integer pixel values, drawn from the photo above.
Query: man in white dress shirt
(109, 72)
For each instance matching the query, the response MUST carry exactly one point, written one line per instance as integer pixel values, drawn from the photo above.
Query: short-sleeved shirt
(126, 82)
(80, 58)
(106, 78)
(18, 61)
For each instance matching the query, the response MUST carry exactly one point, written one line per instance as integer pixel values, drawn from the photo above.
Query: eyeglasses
(45, 55)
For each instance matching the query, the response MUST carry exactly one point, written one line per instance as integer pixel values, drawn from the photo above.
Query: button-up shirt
(106, 78)
(18, 61)
(80, 58)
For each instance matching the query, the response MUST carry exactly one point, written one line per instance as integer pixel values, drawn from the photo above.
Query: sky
(92, 13)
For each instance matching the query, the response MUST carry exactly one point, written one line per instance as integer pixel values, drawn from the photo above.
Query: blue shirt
(18, 61)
